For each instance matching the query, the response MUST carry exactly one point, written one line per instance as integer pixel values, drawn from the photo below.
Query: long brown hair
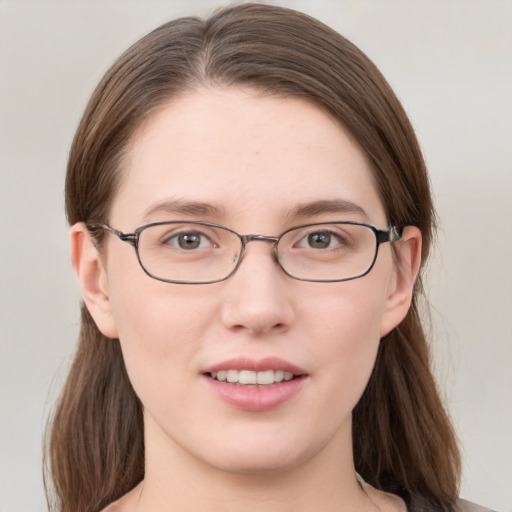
(403, 440)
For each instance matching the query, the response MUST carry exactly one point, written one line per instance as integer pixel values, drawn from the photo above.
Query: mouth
(255, 385)
(252, 378)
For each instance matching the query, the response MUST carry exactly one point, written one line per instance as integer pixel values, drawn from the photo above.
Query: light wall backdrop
(450, 63)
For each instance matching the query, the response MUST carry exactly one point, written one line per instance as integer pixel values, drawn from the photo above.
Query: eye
(188, 240)
(320, 240)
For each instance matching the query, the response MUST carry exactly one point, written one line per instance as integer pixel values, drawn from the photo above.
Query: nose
(257, 298)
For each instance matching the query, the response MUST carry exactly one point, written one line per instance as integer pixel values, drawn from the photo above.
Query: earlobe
(401, 292)
(91, 274)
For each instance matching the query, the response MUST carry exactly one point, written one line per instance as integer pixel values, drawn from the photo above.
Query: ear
(92, 277)
(408, 256)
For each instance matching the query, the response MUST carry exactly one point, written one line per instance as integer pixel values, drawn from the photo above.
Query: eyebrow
(201, 209)
(339, 206)
(189, 208)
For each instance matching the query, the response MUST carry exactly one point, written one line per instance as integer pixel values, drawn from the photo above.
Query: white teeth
(265, 377)
(232, 376)
(247, 377)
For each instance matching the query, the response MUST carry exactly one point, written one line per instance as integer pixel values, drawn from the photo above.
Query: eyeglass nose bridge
(259, 238)
(245, 239)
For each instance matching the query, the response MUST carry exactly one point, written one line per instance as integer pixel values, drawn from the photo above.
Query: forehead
(245, 153)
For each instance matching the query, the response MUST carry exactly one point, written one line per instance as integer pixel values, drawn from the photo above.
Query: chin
(261, 466)
(261, 458)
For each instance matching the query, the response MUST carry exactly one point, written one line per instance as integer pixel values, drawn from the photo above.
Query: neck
(176, 480)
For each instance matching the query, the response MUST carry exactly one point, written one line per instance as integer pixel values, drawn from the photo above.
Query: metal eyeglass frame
(393, 234)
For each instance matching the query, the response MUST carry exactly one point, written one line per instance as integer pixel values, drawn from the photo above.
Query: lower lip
(256, 398)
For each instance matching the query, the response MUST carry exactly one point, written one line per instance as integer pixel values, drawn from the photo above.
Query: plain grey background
(450, 63)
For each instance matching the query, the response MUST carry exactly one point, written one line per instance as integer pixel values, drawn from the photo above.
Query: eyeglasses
(187, 252)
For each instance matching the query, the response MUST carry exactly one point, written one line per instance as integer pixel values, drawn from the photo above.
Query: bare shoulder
(383, 501)
(126, 503)
(467, 506)
(115, 507)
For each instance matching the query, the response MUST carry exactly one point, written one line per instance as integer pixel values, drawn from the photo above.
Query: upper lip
(256, 365)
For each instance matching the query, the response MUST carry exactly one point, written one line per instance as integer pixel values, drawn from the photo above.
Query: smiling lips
(255, 386)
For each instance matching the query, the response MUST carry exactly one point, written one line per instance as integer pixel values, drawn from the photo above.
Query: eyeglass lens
(199, 253)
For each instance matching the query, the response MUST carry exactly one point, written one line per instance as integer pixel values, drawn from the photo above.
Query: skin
(259, 158)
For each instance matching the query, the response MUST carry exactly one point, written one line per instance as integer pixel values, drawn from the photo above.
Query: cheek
(348, 345)
(350, 312)
(346, 325)
(160, 332)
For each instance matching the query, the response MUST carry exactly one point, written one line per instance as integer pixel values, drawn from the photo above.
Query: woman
(259, 344)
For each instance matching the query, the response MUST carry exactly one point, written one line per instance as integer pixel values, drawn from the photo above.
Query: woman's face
(258, 165)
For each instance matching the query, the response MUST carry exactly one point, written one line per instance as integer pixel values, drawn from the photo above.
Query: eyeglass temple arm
(393, 234)
(125, 237)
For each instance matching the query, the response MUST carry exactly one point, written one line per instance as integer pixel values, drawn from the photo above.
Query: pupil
(319, 240)
(189, 241)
